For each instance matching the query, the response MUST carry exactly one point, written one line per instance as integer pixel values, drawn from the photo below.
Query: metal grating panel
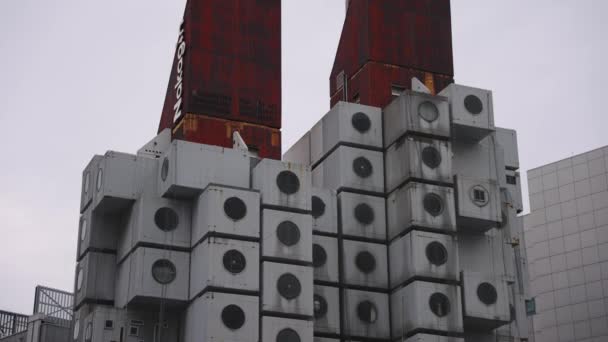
(53, 303)
(12, 323)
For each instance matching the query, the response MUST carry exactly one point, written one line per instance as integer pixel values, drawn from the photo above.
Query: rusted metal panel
(373, 84)
(227, 63)
(414, 35)
(208, 130)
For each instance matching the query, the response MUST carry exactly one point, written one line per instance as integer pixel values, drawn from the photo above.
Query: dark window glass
(319, 256)
(163, 271)
(320, 306)
(233, 317)
(436, 253)
(433, 204)
(288, 335)
(367, 312)
(164, 171)
(439, 304)
(365, 261)
(235, 208)
(288, 233)
(473, 104)
(318, 207)
(289, 286)
(361, 122)
(234, 261)
(428, 111)
(362, 167)
(511, 180)
(431, 157)
(109, 324)
(487, 293)
(288, 182)
(166, 219)
(364, 213)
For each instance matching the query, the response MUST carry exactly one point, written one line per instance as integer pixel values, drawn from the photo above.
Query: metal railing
(12, 323)
(54, 303)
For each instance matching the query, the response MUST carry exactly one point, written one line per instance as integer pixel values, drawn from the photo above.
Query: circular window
(367, 311)
(79, 279)
(164, 170)
(99, 179)
(362, 167)
(83, 229)
(288, 182)
(288, 335)
(487, 293)
(166, 219)
(431, 157)
(318, 207)
(439, 304)
(366, 262)
(87, 182)
(289, 286)
(479, 195)
(235, 208)
(473, 104)
(364, 213)
(433, 204)
(361, 122)
(233, 317)
(436, 253)
(163, 271)
(428, 111)
(288, 233)
(234, 261)
(88, 332)
(319, 256)
(320, 306)
(76, 328)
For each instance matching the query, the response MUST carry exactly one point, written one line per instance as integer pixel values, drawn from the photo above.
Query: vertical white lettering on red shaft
(181, 51)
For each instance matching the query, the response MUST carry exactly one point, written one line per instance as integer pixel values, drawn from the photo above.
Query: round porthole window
(319, 256)
(288, 335)
(83, 229)
(233, 317)
(366, 262)
(364, 213)
(318, 207)
(87, 182)
(164, 170)
(76, 328)
(99, 179)
(79, 279)
(288, 182)
(320, 306)
(361, 122)
(362, 167)
(367, 312)
(289, 286)
(433, 204)
(436, 253)
(163, 271)
(479, 195)
(431, 157)
(288, 233)
(166, 219)
(428, 111)
(473, 104)
(235, 208)
(439, 304)
(487, 293)
(88, 332)
(234, 261)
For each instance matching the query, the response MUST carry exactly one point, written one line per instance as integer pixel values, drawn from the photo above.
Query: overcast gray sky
(82, 77)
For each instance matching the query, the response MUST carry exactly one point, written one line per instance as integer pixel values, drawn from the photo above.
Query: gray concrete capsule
(115, 186)
(471, 111)
(326, 303)
(325, 258)
(365, 264)
(282, 184)
(287, 289)
(366, 314)
(485, 301)
(94, 282)
(362, 216)
(286, 235)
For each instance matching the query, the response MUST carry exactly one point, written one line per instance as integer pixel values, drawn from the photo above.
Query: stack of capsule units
(415, 227)
(394, 224)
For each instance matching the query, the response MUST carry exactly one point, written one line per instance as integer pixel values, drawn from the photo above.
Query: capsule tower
(394, 218)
